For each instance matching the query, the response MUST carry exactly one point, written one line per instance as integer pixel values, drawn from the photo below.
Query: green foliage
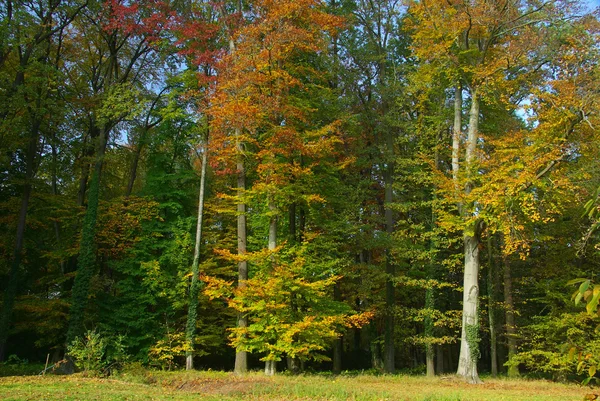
(473, 339)
(168, 352)
(289, 308)
(97, 354)
(559, 346)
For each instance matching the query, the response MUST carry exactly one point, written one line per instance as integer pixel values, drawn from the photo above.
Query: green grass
(209, 386)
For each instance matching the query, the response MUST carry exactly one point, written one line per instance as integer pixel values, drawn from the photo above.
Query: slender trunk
(301, 224)
(292, 220)
(272, 225)
(390, 295)
(469, 344)
(429, 295)
(456, 134)
(55, 193)
(10, 292)
(511, 329)
(271, 366)
(135, 162)
(337, 343)
(241, 357)
(429, 305)
(87, 248)
(492, 310)
(88, 153)
(294, 364)
(192, 317)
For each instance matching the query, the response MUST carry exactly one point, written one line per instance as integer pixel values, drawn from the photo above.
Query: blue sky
(593, 3)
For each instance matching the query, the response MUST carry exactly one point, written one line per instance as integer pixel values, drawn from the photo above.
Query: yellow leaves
(359, 320)
(258, 256)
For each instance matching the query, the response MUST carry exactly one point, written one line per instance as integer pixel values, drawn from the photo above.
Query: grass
(213, 386)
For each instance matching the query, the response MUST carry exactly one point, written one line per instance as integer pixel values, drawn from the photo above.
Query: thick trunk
(192, 317)
(469, 344)
(87, 248)
(439, 353)
(13, 279)
(270, 368)
(241, 357)
(511, 329)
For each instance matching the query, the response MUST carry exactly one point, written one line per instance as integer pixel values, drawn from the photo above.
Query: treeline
(312, 184)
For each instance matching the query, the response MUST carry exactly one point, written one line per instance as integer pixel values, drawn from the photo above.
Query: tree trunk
(429, 294)
(492, 310)
(390, 295)
(87, 248)
(439, 353)
(10, 292)
(511, 329)
(271, 366)
(192, 317)
(429, 350)
(469, 344)
(135, 162)
(241, 357)
(456, 134)
(337, 343)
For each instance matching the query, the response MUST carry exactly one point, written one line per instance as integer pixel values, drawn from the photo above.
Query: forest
(308, 185)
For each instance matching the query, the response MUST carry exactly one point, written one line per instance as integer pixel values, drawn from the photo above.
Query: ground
(204, 386)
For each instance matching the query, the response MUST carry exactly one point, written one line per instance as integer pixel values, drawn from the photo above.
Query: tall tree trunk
(456, 134)
(86, 261)
(136, 161)
(87, 155)
(337, 343)
(13, 279)
(241, 357)
(492, 309)
(389, 352)
(429, 294)
(192, 317)
(511, 329)
(469, 343)
(271, 366)
(439, 353)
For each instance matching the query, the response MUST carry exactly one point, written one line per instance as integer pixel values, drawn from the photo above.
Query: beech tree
(488, 50)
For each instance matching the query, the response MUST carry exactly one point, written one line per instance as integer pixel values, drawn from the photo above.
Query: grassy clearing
(209, 386)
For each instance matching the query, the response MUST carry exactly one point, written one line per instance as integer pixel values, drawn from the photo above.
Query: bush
(543, 350)
(98, 355)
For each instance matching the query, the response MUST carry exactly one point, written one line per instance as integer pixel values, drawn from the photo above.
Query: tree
(31, 46)
(125, 36)
(490, 50)
(260, 107)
